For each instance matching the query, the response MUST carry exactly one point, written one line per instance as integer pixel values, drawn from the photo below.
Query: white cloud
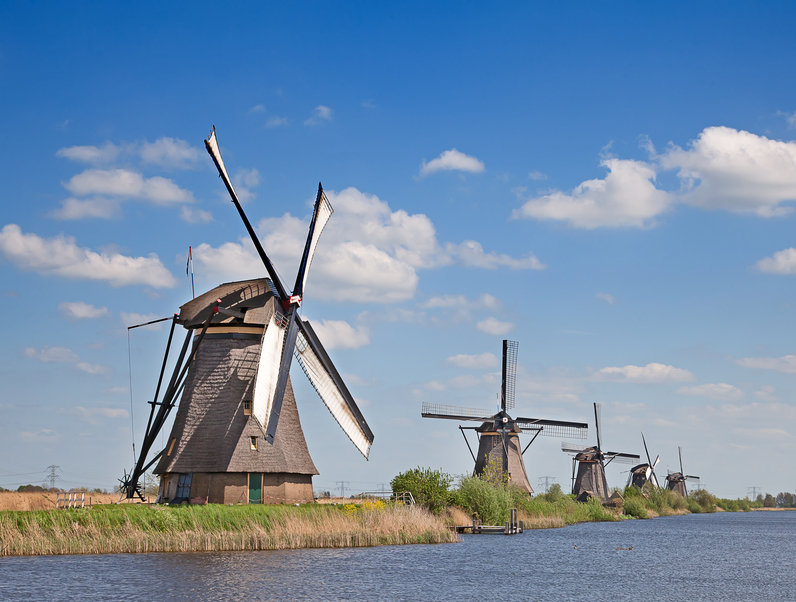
(60, 256)
(471, 254)
(368, 252)
(536, 175)
(78, 310)
(337, 334)
(626, 197)
(170, 153)
(98, 206)
(319, 115)
(735, 170)
(244, 180)
(126, 183)
(94, 155)
(67, 356)
(767, 393)
(785, 364)
(133, 319)
(195, 216)
(117, 390)
(607, 297)
(718, 392)
(452, 160)
(52, 354)
(782, 262)
(368, 104)
(93, 415)
(42, 435)
(480, 361)
(494, 326)
(257, 109)
(275, 122)
(651, 373)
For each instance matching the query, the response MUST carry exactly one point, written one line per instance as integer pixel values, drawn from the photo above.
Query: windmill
(499, 435)
(591, 462)
(675, 481)
(237, 435)
(642, 473)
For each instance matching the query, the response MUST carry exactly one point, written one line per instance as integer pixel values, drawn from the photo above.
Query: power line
(546, 482)
(342, 485)
(52, 477)
(753, 491)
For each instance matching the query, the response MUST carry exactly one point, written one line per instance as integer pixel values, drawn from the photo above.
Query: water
(725, 557)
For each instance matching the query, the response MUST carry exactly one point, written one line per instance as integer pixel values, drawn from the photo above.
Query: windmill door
(255, 488)
(184, 486)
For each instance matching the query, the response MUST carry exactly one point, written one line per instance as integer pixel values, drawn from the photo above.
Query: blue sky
(610, 185)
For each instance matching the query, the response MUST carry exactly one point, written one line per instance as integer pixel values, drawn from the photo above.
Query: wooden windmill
(642, 473)
(676, 480)
(499, 434)
(591, 462)
(237, 437)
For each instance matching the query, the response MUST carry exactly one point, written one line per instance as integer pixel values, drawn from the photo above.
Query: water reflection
(698, 557)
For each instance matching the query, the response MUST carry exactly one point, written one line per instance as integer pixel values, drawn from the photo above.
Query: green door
(255, 488)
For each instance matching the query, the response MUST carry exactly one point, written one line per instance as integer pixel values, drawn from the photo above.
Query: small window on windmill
(247, 408)
(171, 446)
(253, 442)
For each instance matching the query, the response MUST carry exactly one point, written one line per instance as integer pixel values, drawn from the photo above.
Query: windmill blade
(649, 461)
(435, 410)
(509, 374)
(597, 425)
(272, 344)
(211, 144)
(689, 477)
(291, 332)
(320, 215)
(326, 381)
(657, 459)
(621, 458)
(554, 428)
(654, 479)
(680, 453)
(572, 448)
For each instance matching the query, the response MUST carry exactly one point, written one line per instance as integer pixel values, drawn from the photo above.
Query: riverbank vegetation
(141, 528)
(489, 498)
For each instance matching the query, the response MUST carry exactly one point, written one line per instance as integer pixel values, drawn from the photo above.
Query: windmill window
(247, 408)
(253, 442)
(171, 446)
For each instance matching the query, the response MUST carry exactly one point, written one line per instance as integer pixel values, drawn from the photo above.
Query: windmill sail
(320, 216)
(324, 378)
(436, 410)
(268, 371)
(554, 428)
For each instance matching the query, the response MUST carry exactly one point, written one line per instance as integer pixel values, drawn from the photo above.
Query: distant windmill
(233, 388)
(676, 480)
(590, 480)
(642, 473)
(499, 435)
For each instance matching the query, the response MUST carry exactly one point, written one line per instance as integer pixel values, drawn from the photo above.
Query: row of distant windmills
(499, 442)
(237, 436)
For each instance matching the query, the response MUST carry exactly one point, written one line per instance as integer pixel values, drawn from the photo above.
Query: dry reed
(192, 529)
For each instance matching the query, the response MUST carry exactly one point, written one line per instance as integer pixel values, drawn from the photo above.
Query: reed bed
(141, 529)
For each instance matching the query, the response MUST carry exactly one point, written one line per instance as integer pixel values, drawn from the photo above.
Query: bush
(634, 506)
(430, 488)
(706, 501)
(485, 501)
(554, 493)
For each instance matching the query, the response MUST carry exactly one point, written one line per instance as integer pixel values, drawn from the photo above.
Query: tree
(428, 487)
(769, 501)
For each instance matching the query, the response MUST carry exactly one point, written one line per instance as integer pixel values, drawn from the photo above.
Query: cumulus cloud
(319, 115)
(170, 153)
(767, 393)
(723, 168)
(781, 262)
(626, 197)
(607, 297)
(243, 181)
(452, 160)
(494, 326)
(471, 254)
(195, 216)
(96, 207)
(78, 310)
(95, 155)
(718, 392)
(785, 364)
(536, 175)
(735, 170)
(651, 373)
(67, 356)
(275, 122)
(368, 252)
(133, 319)
(337, 334)
(60, 256)
(480, 361)
(257, 109)
(129, 184)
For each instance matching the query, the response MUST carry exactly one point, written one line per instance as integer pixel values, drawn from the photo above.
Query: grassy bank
(138, 528)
